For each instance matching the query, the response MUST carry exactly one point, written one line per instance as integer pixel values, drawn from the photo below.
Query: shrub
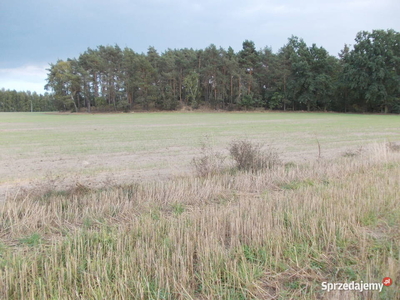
(210, 162)
(124, 105)
(353, 153)
(170, 104)
(247, 102)
(250, 157)
(393, 147)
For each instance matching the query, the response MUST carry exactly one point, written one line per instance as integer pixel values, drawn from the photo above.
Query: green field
(109, 206)
(72, 134)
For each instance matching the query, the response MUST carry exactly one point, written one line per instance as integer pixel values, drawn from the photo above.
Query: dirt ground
(96, 171)
(63, 172)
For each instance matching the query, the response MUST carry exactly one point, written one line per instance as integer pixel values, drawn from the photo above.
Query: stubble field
(109, 206)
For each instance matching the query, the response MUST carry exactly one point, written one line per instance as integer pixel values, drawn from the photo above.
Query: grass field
(108, 206)
(104, 147)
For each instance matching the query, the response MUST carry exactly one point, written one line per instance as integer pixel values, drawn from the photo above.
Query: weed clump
(249, 156)
(210, 162)
(353, 153)
(246, 156)
(33, 240)
(393, 147)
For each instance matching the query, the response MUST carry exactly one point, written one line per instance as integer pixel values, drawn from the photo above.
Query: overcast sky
(35, 33)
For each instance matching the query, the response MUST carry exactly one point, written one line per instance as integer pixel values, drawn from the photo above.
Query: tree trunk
(284, 92)
(231, 89)
(180, 86)
(88, 106)
(95, 85)
(73, 101)
(79, 102)
(239, 93)
(129, 96)
(215, 97)
(174, 88)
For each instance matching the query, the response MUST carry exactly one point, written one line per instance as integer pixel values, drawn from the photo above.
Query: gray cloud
(42, 31)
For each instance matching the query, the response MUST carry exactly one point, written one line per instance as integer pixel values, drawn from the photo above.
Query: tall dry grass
(272, 234)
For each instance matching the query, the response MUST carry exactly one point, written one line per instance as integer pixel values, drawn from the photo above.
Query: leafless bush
(53, 185)
(209, 162)
(393, 147)
(247, 156)
(250, 157)
(353, 153)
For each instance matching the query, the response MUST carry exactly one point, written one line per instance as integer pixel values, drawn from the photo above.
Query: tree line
(363, 78)
(13, 101)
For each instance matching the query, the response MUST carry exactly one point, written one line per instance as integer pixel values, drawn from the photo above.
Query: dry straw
(273, 233)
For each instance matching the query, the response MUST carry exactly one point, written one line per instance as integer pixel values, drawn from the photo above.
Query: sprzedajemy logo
(356, 286)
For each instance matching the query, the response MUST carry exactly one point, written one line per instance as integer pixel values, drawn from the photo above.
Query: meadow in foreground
(275, 233)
